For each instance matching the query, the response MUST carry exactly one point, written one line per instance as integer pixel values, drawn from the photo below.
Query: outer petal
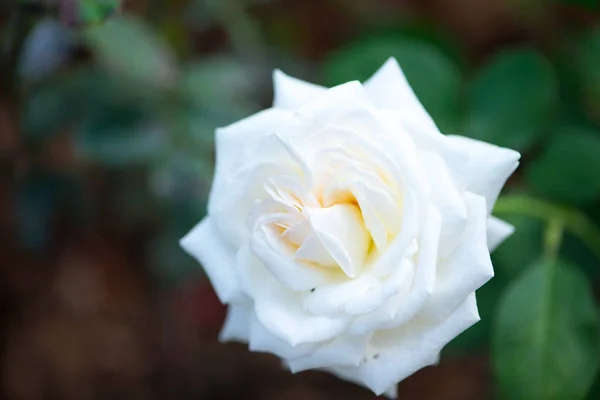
(205, 244)
(396, 354)
(487, 168)
(362, 295)
(343, 351)
(498, 231)
(264, 341)
(279, 310)
(237, 143)
(240, 145)
(403, 307)
(237, 325)
(388, 88)
(448, 201)
(467, 268)
(291, 92)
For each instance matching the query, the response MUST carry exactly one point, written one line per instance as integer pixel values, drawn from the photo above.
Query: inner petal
(340, 231)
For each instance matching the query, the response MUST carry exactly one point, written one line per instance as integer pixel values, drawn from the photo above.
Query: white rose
(347, 233)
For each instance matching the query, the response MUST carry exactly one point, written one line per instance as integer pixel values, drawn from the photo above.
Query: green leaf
(435, 79)
(576, 251)
(512, 99)
(589, 4)
(96, 11)
(585, 61)
(55, 104)
(222, 87)
(127, 47)
(521, 249)
(48, 109)
(118, 136)
(546, 339)
(568, 170)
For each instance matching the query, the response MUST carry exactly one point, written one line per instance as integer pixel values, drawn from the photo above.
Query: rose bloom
(346, 233)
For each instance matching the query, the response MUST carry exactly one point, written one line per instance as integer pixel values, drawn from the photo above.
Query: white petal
(205, 244)
(488, 167)
(361, 295)
(331, 299)
(498, 231)
(454, 155)
(290, 92)
(316, 114)
(269, 247)
(262, 340)
(404, 306)
(353, 179)
(388, 88)
(341, 231)
(237, 325)
(279, 309)
(283, 317)
(398, 353)
(448, 201)
(404, 242)
(238, 146)
(343, 351)
(281, 314)
(467, 268)
(398, 284)
(392, 392)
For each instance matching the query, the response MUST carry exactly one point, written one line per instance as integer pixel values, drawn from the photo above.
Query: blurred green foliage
(138, 103)
(431, 73)
(546, 335)
(511, 99)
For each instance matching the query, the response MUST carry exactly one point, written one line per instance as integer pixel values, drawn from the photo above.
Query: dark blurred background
(107, 117)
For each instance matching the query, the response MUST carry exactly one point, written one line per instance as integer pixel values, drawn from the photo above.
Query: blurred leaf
(182, 178)
(512, 99)
(433, 76)
(96, 11)
(46, 49)
(521, 249)
(569, 168)
(590, 4)
(425, 32)
(221, 87)
(117, 136)
(176, 34)
(128, 47)
(546, 339)
(69, 98)
(41, 198)
(585, 61)
(48, 109)
(594, 393)
(575, 251)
